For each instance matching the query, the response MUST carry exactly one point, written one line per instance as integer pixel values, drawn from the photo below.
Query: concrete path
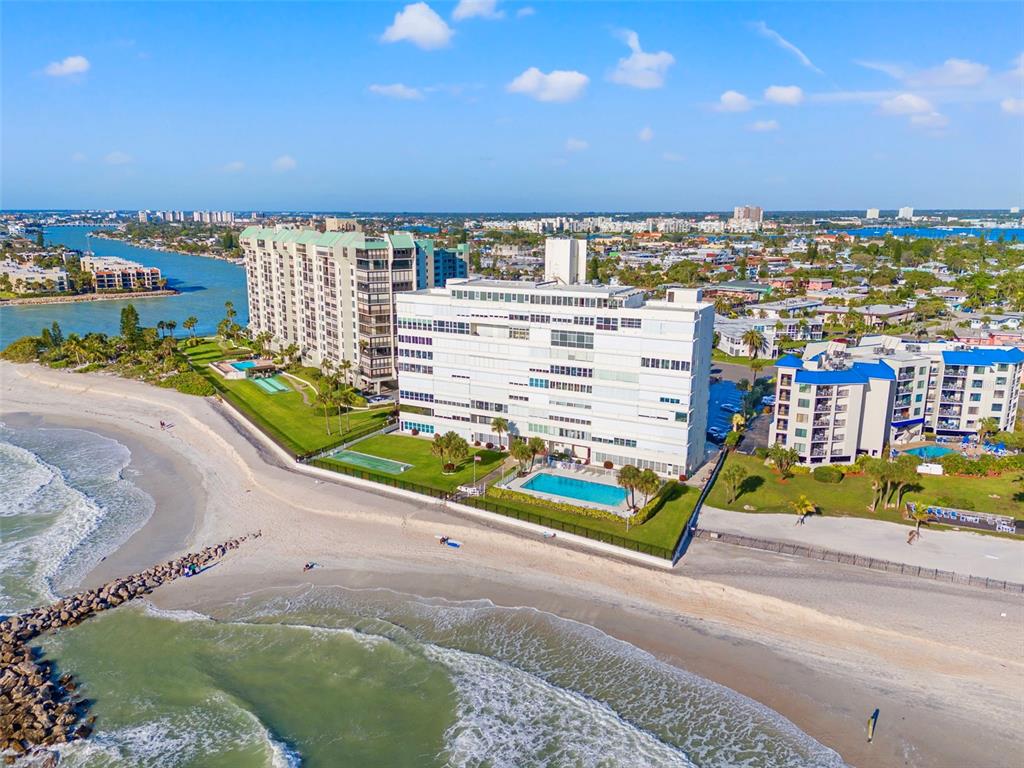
(971, 554)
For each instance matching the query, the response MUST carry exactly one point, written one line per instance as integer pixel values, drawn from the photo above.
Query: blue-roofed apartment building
(840, 401)
(436, 265)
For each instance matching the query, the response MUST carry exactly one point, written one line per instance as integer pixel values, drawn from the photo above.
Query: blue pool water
(243, 365)
(580, 490)
(930, 451)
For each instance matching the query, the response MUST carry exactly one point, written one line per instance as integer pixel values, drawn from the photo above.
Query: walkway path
(972, 554)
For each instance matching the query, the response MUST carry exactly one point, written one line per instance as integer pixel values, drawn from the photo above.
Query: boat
(872, 721)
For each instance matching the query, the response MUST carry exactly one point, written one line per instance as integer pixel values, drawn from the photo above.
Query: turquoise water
(936, 234)
(325, 677)
(244, 365)
(573, 488)
(930, 451)
(205, 285)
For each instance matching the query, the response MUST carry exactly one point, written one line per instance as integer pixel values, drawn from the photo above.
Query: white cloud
(646, 133)
(930, 120)
(951, 73)
(906, 104)
(284, 163)
(765, 31)
(790, 95)
(235, 166)
(397, 91)
(576, 145)
(72, 65)
(733, 101)
(763, 126)
(557, 85)
(895, 71)
(641, 69)
(420, 25)
(79, 157)
(672, 157)
(117, 157)
(484, 9)
(1012, 106)
(526, 10)
(1018, 66)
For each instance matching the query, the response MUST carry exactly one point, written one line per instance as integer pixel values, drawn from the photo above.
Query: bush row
(504, 494)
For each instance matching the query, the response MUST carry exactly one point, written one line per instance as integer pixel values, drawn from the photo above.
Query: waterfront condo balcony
(958, 371)
(840, 409)
(819, 436)
(817, 452)
(951, 396)
(783, 396)
(824, 406)
(843, 392)
(825, 391)
(822, 421)
(952, 412)
(905, 387)
(782, 410)
(952, 383)
(948, 423)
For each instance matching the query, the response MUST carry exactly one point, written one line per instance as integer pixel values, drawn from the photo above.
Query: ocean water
(337, 677)
(205, 285)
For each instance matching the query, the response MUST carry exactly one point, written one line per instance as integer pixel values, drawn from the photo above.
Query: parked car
(730, 407)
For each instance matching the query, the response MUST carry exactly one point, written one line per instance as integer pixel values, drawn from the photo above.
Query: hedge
(536, 501)
(657, 501)
(827, 474)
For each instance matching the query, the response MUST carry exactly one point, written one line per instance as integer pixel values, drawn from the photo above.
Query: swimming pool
(930, 451)
(574, 488)
(243, 365)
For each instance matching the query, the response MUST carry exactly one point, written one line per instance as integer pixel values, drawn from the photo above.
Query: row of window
(668, 365)
(483, 405)
(624, 442)
(416, 368)
(422, 354)
(427, 429)
(424, 340)
(572, 370)
(523, 298)
(572, 339)
(426, 397)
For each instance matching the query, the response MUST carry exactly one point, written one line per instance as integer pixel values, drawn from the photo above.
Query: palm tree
(536, 445)
(160, 326)
(171, 325)
(754, 341)
(629, 477)
(733, 477)
(324, 399)
(500, 425)
(347, 398)
(803, 507)
(756, 364)
(345, 366)
(74, 347)
(648, 484)
(439, 448)
(521, 452)
(739, 421)
(190, 324)
(919, 516)
(987, 427)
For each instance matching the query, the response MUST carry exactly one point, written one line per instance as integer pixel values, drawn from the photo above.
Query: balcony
(819, 435)
(823, 407)
(905, 388)
(952, 384)
(951, 398)
(822, 422)
(839, 423)
(818, 452)
(958, 371)
(951, 412)
(782, 410)
(825, 391)
(843, 392)
(840, 409)
(783, 396)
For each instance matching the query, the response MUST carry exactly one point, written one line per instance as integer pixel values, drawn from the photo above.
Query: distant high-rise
(871, 214)
(435, 266)
(748, 213)
(143, 217)
(905, 213)
(565, 260)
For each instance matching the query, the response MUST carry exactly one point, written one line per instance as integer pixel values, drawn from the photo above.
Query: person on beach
(444, 540)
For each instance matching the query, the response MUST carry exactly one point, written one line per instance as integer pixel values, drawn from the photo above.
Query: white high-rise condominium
(872, 213)
(595, 371)
(748, 213)
(565, 260)
(906, 212)
(331, 294)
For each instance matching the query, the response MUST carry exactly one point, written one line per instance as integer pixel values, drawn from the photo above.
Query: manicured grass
(298, 427)
(426, 468)
(662, 530)
(764, 490)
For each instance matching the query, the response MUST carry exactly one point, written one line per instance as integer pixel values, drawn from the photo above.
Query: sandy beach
(820, 643)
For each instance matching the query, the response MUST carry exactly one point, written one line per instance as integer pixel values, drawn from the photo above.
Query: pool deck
(590, 474)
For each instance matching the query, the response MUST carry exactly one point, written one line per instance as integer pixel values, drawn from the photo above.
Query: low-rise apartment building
(110, 273)
(595, 371)
(28, 277)
(841, 401)
(332, 294)
(774, 331)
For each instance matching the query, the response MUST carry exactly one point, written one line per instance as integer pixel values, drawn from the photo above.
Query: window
(801, 418)
(979, 369)
(583, 320)
(972, 411)
(416, 368)
(800, 432)
(519, 333)
(975, 397)
(630, 322)
(918, 398)
(997, 407)
(673, 400)
(450, 326)
(427, 429)
(607, 324)
(800, 447)
(803, 402)
(1000, 380)
(540, 318)
(539, 383)
(805, 387)
(426, 397)
(668, 365)
(572, 370)
(681, 416)
(977, 383)
(572, 339)
(999, 393)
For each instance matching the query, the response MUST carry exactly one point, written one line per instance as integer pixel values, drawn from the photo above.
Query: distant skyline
(499, 106)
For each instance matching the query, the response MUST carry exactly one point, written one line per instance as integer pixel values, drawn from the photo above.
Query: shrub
(682, 478)
(608, 464)
(828, 474)
(761, 452)
(535, 501)
(732, 439)
(488, 446)
(190, 383)
(799, 470)
(415, 432)
(449, 468)
(23, 350)
(652, 507)
(476, 443)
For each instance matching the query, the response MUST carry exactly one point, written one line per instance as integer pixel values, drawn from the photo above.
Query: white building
(905, 213)
(565, 260)
(143, 217)
(872, 214)
(748, 213)
(28, 277)
(331, 294)
(842, 401)
(595, 371)
(110, 273)
(773, 331)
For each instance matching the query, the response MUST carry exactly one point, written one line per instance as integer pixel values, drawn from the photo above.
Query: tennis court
(271, 386)
(374, 463)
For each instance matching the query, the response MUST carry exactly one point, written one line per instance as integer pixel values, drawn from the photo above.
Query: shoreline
(28, 302)
(166, 249)
(819, 643)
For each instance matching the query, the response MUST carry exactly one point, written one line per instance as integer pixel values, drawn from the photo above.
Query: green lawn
(662, 530)
(426, 468)
(297, 427)
(764, 490)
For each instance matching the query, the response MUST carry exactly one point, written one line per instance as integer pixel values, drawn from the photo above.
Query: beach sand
(820, 643)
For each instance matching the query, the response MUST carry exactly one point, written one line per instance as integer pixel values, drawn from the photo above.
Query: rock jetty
(38, 709)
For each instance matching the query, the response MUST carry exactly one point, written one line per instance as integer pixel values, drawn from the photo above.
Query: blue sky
(512, 106)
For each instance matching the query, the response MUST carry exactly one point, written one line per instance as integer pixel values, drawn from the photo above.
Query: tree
(347, 399)
(325, 399)
(803, 507)
(130, 332)
(451, 448)
(754, 340)
(919, 516)
(536, 446)
(648, 484)
(733, 477)
(628, 477)
(160, 327)
(74, 347)
(986, 428)
(190, 324)
(500, 425)
(521, 452)
(345, 366)
(904, 475)
(783, 458)
(756, 365)
(39, 239)
(881, 474)
(739, 421)
(171, 325)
